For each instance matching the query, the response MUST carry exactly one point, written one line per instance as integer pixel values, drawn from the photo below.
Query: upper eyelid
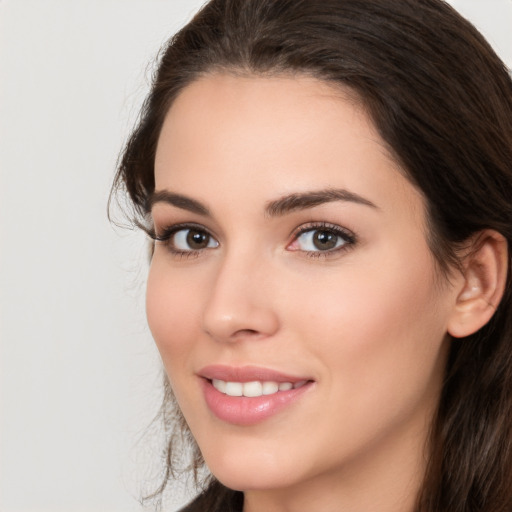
(170, 229)
(164, 218)
(313, 226)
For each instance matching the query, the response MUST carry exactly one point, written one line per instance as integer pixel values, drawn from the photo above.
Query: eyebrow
(178, 200)
(276, 208)
(304, 200)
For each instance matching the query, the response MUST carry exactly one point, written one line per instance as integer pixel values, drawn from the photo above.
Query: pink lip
(248, 410)
(246, 374)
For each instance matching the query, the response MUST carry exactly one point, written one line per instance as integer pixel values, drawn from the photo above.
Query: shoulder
(216, 498)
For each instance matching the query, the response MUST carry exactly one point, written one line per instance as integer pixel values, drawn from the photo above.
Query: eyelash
(347, 236)
(168, 232)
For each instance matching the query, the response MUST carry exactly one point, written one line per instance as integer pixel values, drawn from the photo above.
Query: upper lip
(247, 374)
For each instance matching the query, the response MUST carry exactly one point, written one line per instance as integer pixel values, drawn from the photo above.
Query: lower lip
(242, 410)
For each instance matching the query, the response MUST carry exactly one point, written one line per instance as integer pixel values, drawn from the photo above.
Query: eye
(323, 238)
(192, 239)
(186, 239)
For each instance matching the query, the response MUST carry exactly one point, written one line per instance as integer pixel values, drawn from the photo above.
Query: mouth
(254, 388)
(249, 395)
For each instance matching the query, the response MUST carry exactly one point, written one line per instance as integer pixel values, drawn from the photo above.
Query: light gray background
(79, 376)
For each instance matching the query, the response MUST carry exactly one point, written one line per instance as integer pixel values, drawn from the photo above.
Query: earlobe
(485, 274)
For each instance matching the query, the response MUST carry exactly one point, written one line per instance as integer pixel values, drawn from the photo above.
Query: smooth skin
(345, 292)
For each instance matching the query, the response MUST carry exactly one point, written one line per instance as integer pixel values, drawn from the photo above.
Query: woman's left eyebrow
(304, 200)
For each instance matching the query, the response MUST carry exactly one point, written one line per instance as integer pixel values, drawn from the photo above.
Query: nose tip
(239, 307)
(231, 316)
(240, 325)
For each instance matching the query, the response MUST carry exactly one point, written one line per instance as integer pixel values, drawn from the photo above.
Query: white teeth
(269, 388)
(234, 389)
(220, 385)
(254, 388)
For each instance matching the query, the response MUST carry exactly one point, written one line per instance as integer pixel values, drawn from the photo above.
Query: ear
(483, 284)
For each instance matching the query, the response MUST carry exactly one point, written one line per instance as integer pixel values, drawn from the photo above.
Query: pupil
(324, 240)
(197, 240)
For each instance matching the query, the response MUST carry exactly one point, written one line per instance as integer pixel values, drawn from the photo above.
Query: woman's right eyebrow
(177, 200)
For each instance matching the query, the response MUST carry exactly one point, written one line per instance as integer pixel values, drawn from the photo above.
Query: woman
(328, 184)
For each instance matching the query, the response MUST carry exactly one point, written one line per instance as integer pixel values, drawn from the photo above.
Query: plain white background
(79, 376)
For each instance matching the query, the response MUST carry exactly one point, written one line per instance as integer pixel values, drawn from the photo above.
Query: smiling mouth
(246, 395)
(254, 388)
(246, 403)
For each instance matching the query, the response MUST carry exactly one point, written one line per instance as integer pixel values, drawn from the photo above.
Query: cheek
(378, 326)
(378, 339)
(172, 309)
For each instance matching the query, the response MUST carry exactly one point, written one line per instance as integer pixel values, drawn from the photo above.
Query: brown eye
(321, 239)
(192, 239)
(325, 240)
(197, 239)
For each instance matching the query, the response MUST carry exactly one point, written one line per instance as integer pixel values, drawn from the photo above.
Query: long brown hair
(442, 100)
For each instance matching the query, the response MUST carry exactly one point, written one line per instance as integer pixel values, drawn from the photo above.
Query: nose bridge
(240, 302)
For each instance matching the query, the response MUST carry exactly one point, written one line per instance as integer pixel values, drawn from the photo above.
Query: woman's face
(293, 255)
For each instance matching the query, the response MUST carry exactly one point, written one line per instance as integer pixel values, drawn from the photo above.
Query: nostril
(246, 333)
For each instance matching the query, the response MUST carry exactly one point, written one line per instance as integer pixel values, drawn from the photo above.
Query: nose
(240, 305)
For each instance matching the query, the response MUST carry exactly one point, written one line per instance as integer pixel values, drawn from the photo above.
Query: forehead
(275, 135)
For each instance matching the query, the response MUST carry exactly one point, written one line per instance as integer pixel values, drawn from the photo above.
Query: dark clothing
(216, 498)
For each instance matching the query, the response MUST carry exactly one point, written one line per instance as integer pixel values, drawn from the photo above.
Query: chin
(251, 481)
(243, 472)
